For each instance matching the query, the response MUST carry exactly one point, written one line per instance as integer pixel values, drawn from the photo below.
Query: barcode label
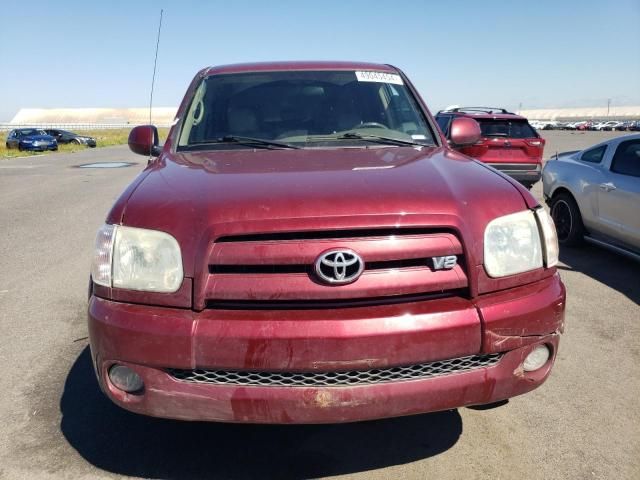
(381, 77)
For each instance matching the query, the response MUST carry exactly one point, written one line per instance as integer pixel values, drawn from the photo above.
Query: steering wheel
(371, 125)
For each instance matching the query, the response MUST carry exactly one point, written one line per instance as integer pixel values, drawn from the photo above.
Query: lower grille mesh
(336, 379)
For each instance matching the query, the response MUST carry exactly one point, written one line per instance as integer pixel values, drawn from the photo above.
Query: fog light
(536, 359)
(125, 379)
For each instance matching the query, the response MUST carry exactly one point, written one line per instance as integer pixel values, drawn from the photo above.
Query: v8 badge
(444, 263)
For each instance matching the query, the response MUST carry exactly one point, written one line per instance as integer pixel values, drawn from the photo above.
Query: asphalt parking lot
(582, 424)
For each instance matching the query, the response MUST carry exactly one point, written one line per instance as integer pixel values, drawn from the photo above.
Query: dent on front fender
(523, 315)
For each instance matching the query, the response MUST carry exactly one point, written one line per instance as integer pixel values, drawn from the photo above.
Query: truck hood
(199, 196)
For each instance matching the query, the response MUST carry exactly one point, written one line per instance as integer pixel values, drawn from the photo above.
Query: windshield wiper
(377, 139)
(261, 142)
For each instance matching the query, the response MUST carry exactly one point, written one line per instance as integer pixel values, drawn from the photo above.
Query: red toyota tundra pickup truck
(306, 247)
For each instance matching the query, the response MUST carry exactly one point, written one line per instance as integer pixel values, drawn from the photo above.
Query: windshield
(506, 128)
(304, 109)
(30, 131)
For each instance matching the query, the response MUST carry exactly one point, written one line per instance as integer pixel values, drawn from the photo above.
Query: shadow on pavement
(611, 269)
(128, 444)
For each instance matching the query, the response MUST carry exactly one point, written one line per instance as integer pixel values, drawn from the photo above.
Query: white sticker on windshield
(381, 77)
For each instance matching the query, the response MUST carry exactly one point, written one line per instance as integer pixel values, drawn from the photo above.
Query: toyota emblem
(340, 266)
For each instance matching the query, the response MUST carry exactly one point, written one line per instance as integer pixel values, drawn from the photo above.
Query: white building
(94, 117)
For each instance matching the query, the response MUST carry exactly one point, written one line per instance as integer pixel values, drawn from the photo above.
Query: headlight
(550, 237)
(101, 265)
(512, 245)
(137, 259)
(27, 141)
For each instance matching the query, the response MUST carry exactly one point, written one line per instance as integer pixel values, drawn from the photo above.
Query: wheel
(75, 141)
(7, 145)
(20, 147)
(566, 216)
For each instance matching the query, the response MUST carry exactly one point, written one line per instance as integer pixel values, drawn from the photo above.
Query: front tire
(566, 216)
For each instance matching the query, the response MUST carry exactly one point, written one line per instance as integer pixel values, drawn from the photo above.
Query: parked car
(30, 139)
(545, 124)
(634, 126)
(579, 125)
(612, 126)
(594, 195)
(307, 248)
(508, 143)
(603, 126)
(64, 137)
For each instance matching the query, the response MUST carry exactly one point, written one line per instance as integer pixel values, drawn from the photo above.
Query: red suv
(508, 142)
(306, 247)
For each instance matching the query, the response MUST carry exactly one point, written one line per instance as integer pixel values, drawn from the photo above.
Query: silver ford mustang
(594, 195)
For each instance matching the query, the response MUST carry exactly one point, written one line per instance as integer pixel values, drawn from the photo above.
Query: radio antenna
(155, 63)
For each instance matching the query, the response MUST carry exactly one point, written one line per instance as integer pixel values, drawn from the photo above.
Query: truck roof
(298, 65)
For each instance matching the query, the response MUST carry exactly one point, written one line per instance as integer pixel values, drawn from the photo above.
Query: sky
(493, 52)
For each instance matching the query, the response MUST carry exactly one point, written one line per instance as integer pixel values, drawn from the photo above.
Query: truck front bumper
(153, 341)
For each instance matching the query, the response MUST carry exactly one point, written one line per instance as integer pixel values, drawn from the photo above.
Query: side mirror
(464, 131)
(143, 140)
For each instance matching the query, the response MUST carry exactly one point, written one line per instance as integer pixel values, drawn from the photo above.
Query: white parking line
(21, 166)
(25, 156)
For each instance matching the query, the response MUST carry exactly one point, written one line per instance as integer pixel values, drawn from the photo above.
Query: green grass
(104, 138)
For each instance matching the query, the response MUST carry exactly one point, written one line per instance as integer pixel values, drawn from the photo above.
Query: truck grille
(336, 379)
(279, 267)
